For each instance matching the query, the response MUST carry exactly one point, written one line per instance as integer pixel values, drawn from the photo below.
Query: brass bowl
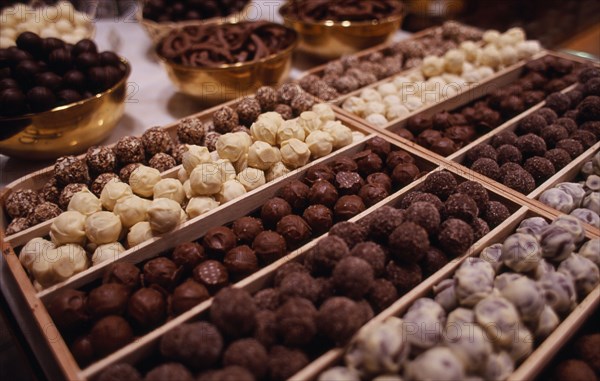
(213, 85)
(64, 130)
(332, 39)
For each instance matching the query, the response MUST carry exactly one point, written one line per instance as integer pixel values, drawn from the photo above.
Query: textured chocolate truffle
(351, 232)
(155, 140)
(353, 277)
(476, 191)
(197, 345)
(17, 225)
(539, 168)
(241, 261)
(586, 348)
(487, 167)
(323, 192)
(69, 170)
(295, 193)
(110, 334)
(347, 207)
(162, 272)
(382, 222)
(43, 212)
(573, 147)
(574, 370)
(233, 312)
(101, 159)
(191, 131)
(495, 213)
(129, 149)
(247, 228)
(162, 162)
(298, 284)
(461, 206)
(249, 354)
(372, 253)
(509, 154)
(531, 145)
(319, 172)
(456, 236)
(519, 180)
(169, 372)
(326, 254)
(348, 182)
(319, 218)
(266, 97)
(441, 184)
(531, 124)
(285, 362)
(269, 246)
(433, 260)
(425, 215)
(107, 299)
(294, 229)
(284, 110)
(188, 295)
(548, 114)
(382, 294)
(50, 191)
(188, 255)
(212, 274)
(344, 163)
(218, 241)
(585, 138)
(368, 162)
(225, 120)
(248, 110)
(124, 273)
(126, 171)
(267, 299)
(274, 210)
(68, 309)
(558, 157)
(147, 308)
(558, 102)
(480, 151)
(100, 181)
(296, 321)
(120, 372)
(409, 242)
(553, 134)
(405, 276)
(504, 137)
(339, 318)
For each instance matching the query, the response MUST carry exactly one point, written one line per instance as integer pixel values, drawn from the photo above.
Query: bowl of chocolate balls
(159, 17)
(222, 61)
(58, 98)
(329, 29)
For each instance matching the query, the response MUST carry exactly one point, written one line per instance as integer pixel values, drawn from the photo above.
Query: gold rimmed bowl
(217, 84)
(65, 130)
(329, 39)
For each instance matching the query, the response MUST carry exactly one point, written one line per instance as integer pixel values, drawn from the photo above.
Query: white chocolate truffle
(485, 71)
(277, 170)
(324, 111)
(470, 50)
(187, 188)
(358, 136)
(319, 143)
(499, 318)
(445, 294)
(401, 82)
(65, 261)
(592, 202)
(251, 178)
(591, 250)
(107, 252)
(309, 121)
(68, 227)
(587, 216)
(103, 227)
(543, 268)
(533, 226)
(584, 272)
(521, 252)
(164, 215)
(490, 36)
(33, 250)
(262, 155)
(143, 179)
(547, 323)
(470, 344)
(241, 164)
(528, 48)
(396, 111)
(182, 175)
(490, 56)
(374, 107)
(432, 66)
(85, 202)
(505, 279)
(558, 199)
(508, 55)
(387, 88)
(436, 364)
(377, 120)
(112, 192)
(232, 146)
(527, 296)
(264, 129)
(557, 243)
(290, 129)
(459, 318)
(339, 373)
(200, 205)
(454, 59)
(139, 233)
(295, 153)
(426, 318)
(521, 345)
(493, 256)
(371, 95)
(559, 291)
(517, 34)
(413, 103)
(575, 190)
(498, 367)
(206, 179)
(392, 99)
(231, 190)
(474, 281)
(226, 168)
(272, 116)
(131, 210)
(169, 188)
(342, 135)
(355, 105)
(194, 156)
(379, 348)
(573, 225)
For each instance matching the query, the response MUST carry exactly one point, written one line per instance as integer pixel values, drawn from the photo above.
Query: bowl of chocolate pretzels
(329, 29)
(219, 62)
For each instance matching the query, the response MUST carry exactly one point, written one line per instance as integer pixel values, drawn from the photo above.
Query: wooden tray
(534, 363)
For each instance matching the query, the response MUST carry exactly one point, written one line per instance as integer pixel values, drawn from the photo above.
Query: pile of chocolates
(342, 10)
(545, 141)
(165, 11)
(446, 132)
(580, 199)
(488, 317)
(42, 73)
(352, 72)
(213, 45)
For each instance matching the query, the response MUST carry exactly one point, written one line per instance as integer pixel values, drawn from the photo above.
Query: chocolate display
(216, 45)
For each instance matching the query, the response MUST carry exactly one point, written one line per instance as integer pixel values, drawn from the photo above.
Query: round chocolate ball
(343, 163)
(101, 159)
(398, 157)
(110, 334)
(379, 146)
(295, 193)
(285, 362)
(274, 210)
(162, 162)
(249, 354)
(372, 253)
(294, 229)
(531, 145)
(574, 370)
(218, 241)
(461, 206)
(403, 276)
(324, 193)
(147, 308)
(266, 97)
(225, 120)
(156, 140)
(124, 273)
(247, 228)
(380, 179)
(372, 194)
(298, 285)
(351, 232)
(509, 154)
(74, 79)
(441, 184)
(30, 42)
(539, 168)
(409, 242)
(13, 102)
(353, 277)
(382, 222)
(41, 99)
(129, 150)
(481, 151)
(456, 236)
(120, 371)
(548, 114)
(339, 318)
(162, 272)
(107, 299)
(404, 174)
(347, 207)
(248, 110)
(169, 371)
(505, 137)
(487, 167)
(382, 294)
(188, 295)
(433, 260)
(100, 181)
(368, 162)
(425, 215)
(495, 213)
(233, 311)
(558, 157)
(519, 180)
(269, 246)
(85, 46)
(476, 191)
(572, 146)
(68, 310)
(319, 218)
(318, 172)
(267, 299)
(325, 255)
(531, 124)
(197, 345)
(188, 255)
(211, 274)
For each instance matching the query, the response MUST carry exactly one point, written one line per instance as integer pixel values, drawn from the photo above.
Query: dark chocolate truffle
(441, 184)
(404, 276)
(249, 354)
(509, 154)
(218, 241)
(298, 284)
(574, 370)
(593, 127)
(456, 236)
(247, 228)
(481, 151)
(129, 149)
(409, 242)
(169, 372)
(480, 228)
(323, 192)
(147, 308)
(519, 180)
(248, 110)
(558, 102)
(294, 229)
(120, 372)
(548, 114)
(404, 174)
(368, 162)
(296, 323)
(212, 274)
(573, 147)
(507, 137)
(188, 295)
(379, 146)
(372, 194)
(343, 163)
(487, 167)
(351, 232)
(586, 348)
(339, 318)
(553, 134)
(461, 206)
(188, 255)
(107, 299)
(382, 222)
(380, 179)
(425, 215)
(68, 309)
(319, 218)
(476, 191)
(531, 124)
(326, 254)
(241, 261)
(233, 312)
(353, 277)
(162, 272)
(197, 345)
(585, 138)
(316, 172)
(348, 182)
(539, 168)
(347, 207)
(274, 210)
(295, 193)
(495, 213)
(269, 246)
(558, 157)
(531, 145)
(382, 294)
(285, 362)
(124, 273)
(433, 260)
(267, 299)
(398, 157)
(110, 334)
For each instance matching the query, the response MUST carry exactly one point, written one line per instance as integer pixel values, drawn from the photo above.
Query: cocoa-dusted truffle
(233, 312)
(531, 145)
(539, 168)
(101, 159)
(509, 154)
(296, 323)
(124, 273)
(379, 146)
(405, 276)
(285, 362)
(441, 184)
(433, 260)
(197, 345)
(382, 222)
(249, 354)
(191, 131)
(110, 334)
(67, 194)
(548, 114)
(319, 218)
(404, 174)
(339, 318)
(319, 172)
(107, 299)
(225, 120)
(348, 182)
(100, 181)
(572, 146)
(129, 149)
(461, 206)
(241, 261)
(495, 213)
(188, 255)
(69, 170)
(155, 140)
(218, 241)
(162, 272)
(558, 102)
(269, 246)
(487, 167)
(43, 212)
(248, 110)
(287, 92)
(372, 253)
(126, 171)
(286, 269)
(531, 124)
(302, 102)
(274, 210)
(398, 157)
(298, 284)
(573, 370)
(323, 192)
(372, 194)
(553, 134)
(476, 191)
(347, 207)
(212, 274)
(147, 308)
(169, 372)
(368, 162)
(585, 138)
(266, 96)
(353, 277)
(187, 295)
(558, 157)
(68, 309)
(480, 151)
(326, 254)
(425, 215)
(567, 123)
(267, 299)
(295, 193)
(343, 163)
(246, 229)
(380, 179)
(162, 162)
(586, 348)
(519, 180)
(504, 137)
(456, 236)
(294, 230)
(284, 110)
(408, 242)
(118, 372)
(480, 228)
(382, 294)
(351, 232)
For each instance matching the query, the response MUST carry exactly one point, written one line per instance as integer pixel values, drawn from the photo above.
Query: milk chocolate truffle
(249, 354)
(379, 146)
(212, 274)
(343, 163)
(295, 193)
(380, 179)
(319, 172)
(325, 255)
(487, 167)
(353, 277)
(427, 215)
(124, 273)
(188, 295)
(274, 210)
(409, 242)
(241, 261)
(586, 348)
(323, 192)
(68, 309)
(226, 119)
(248, 110)
(294, 230)
(398, 157)
(233, 312)
(110, 334)
(382, 294)
(495, 213)
(296, 321)
(162, 272)
(101, 159)
(118, 372)
(269, 246)
(368, 162)
(147, 308)
(339, 318)
(100, 181)
(573, 147)
(218, 241)
(129, 150)
(347, 207)
(540, 169)
(107, 299)
(285, 362)
(169, 372)
(188, 255)
(197, 345)
(404, 174)
(246, 229)
(319, 218)
(126, 171)
(441, 184)
(69, 170)
(574, 370)
(456, 236)
(43, 212)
